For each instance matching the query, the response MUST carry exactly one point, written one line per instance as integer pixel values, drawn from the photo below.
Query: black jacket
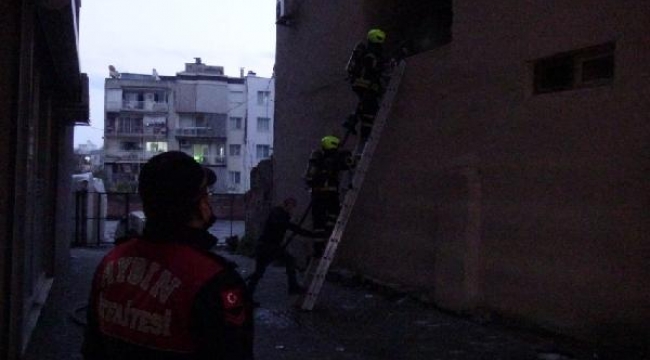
(325, 167)
(276, 226)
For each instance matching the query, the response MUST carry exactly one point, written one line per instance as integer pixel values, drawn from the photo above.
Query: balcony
(132, 105)
(211, 160)
(129, 156)
(198, 132)
(150, 132)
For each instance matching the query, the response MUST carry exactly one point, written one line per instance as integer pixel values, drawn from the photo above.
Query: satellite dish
(113, 72)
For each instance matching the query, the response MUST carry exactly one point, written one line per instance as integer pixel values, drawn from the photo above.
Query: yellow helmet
(329, 142)
(376, 36)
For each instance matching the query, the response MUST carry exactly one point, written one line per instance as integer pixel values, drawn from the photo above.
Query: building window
(263, 124)
(418, 26)
(593, 66)
(129, 125)
(234, 149)
(235, 123)
(263, 97)
(133, 100)
(263, 151)
(200, 153)
(130, 146)
(235, 177)
(156, 146)
(160, 96)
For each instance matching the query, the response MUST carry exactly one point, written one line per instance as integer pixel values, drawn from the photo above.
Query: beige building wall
(482, 194)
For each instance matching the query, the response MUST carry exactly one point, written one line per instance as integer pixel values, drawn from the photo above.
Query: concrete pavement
(351, 321)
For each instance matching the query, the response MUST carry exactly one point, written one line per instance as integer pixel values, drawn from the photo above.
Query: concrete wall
(258, 199)
(481, 194)
(238, 109)
(202, 97)
(254, 137)
(41, 102)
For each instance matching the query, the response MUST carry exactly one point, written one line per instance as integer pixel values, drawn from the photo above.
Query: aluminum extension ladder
(316, 278)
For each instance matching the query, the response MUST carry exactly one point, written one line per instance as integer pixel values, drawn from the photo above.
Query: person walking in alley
(164, 295)
(269, 246)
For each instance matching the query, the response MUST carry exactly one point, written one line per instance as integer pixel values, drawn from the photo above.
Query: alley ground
(351, 320)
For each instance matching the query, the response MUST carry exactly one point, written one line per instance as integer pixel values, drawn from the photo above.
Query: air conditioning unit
(281, 13)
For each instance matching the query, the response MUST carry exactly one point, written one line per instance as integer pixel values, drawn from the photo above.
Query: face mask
(210, 222)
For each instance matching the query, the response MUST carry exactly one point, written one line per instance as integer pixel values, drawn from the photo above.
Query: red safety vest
(144, 293)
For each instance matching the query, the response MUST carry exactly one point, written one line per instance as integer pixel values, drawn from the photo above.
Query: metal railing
(212, 160)
(197, 131)
(130, 155)
(137, 105)
(98, 214)
(137, 132)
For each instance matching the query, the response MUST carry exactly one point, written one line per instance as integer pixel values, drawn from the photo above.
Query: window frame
(266, 128)
(263, 149)
(234, 177)
(543, 69)
(236, 122)
(263, 97)
(234, 146)
(161, 146)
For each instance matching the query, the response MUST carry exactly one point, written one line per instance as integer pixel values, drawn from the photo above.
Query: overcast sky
(137, 36)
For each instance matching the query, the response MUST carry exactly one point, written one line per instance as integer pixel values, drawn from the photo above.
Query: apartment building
(88, 157)
(250, 133)
(137, 113)
(199, 111)
(511, 177)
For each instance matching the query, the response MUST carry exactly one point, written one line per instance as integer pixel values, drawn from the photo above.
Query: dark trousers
(324, 211)
(366, 112)
(265, 255)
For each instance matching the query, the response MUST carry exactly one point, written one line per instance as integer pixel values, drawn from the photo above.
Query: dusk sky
(137, 36)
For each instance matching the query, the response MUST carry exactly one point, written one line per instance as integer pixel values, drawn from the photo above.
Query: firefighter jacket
(370, 68)
(324, 169)
(165, 296)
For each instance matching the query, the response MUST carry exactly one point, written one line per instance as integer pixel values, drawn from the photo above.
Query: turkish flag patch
(232, 298)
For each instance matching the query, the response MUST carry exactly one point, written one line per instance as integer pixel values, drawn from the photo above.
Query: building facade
(43, 95)
(512, 174)
(88, 158)
(199, 111)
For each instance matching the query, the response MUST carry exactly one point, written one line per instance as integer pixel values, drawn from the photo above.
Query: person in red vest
(164, 295)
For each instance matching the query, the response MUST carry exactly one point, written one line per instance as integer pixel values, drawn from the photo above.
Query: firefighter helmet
(376, 36)
(329, 142)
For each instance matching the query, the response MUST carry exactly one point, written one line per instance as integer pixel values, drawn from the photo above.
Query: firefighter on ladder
(323, 178)
(365, 69)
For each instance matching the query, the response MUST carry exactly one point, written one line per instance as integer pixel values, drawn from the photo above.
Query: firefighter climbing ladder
(316, 278)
